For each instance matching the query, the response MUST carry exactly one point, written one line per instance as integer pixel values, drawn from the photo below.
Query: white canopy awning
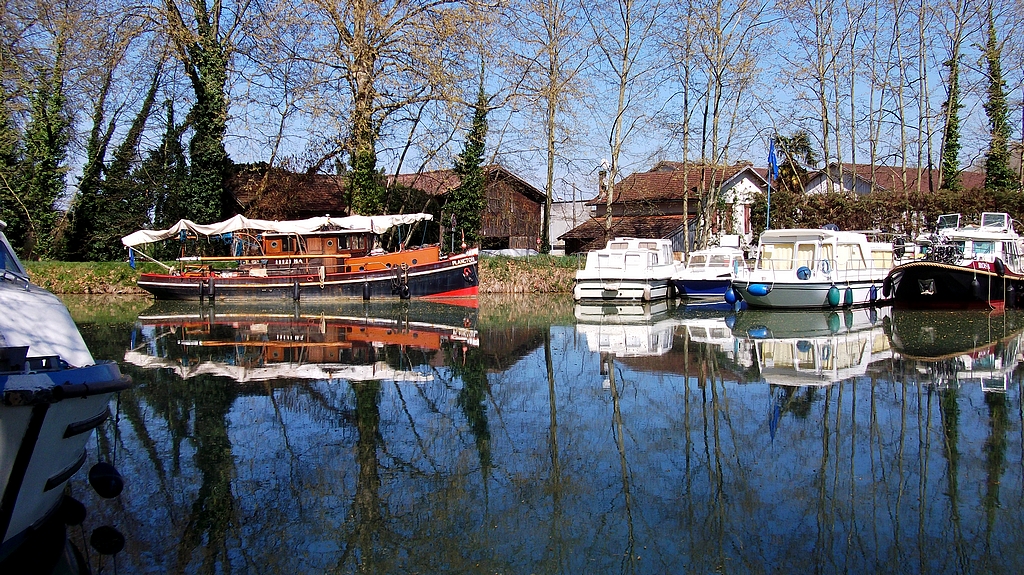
(375, 224)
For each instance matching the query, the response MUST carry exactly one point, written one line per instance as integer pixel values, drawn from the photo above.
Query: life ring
(826, 267)
(467, 274)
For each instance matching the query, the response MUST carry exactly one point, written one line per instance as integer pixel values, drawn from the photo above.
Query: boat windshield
(9, 261)
(948, 221)
(995, 220)
(719, 261)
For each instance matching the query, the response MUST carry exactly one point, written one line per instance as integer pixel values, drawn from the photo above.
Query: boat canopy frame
(354, 224)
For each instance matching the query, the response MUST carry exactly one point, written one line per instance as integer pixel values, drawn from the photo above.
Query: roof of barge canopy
(375, 224)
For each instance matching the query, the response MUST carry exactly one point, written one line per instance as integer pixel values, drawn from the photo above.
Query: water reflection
(253, 344)
(542, 437)
(799, 348)
(946, 350)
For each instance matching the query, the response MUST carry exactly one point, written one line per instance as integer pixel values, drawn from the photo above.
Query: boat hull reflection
(949, 350)
(814, 348)
(300, 342)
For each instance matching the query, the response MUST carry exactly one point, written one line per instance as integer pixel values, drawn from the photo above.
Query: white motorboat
(53, 395)
(710, 272)
(815, 268)
(628, 269)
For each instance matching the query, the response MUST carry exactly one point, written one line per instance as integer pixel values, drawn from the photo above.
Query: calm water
(532, 436)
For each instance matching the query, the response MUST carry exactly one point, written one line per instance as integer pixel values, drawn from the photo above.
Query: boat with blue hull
(710, 272)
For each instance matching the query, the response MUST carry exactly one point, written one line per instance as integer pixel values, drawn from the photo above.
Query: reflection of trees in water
(470, 368)
(846, 487)
(366, 542)
(796, 400)
(995, 454)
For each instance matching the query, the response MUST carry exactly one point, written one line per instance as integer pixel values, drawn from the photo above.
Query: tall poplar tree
(998, 175)
(46, 141)
(467, 201)
(951, 135)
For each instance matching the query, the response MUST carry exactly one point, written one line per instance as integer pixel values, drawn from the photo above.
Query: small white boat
(627, 269)
(815, 268)
(710, 272)
(53, 395)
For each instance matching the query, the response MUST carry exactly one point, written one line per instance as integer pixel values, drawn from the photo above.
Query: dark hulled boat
(961, 267)
(317, 258)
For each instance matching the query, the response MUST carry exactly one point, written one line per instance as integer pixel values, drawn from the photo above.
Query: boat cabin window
(805, 254)
(982, 248)
(618, 246)
(649, 245)
(850, 257)
(699, 260)
(776, 257)
(355, 242)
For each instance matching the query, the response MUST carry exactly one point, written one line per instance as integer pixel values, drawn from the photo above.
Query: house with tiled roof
(862, 179)
(511, 219)
(514, 209)
(279, 194)
(650, 205)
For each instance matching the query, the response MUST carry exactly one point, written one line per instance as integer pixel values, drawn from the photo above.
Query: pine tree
(951, 135)
(998, 175)
(467, 201)
(46, 140)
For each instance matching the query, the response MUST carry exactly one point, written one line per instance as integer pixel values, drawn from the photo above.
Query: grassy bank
(537, 274)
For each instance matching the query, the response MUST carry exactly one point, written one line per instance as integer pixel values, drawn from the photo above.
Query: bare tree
(375, 60)
(550, 56)
(624, 33)
(732, 37)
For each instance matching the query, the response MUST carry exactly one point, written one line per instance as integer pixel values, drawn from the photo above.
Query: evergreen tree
(204, 51)
(12, 209)
(951, 135)
(165, 173)
(367, 192)
(88, 203)
(46, 141)
(467, 201)
(998, 175)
